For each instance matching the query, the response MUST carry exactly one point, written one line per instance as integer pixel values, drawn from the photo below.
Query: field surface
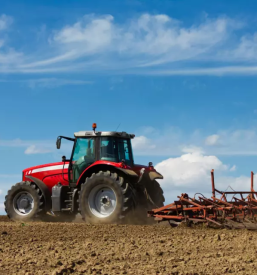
(78, 248)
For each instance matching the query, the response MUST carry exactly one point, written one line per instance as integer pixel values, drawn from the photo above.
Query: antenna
(118, 127)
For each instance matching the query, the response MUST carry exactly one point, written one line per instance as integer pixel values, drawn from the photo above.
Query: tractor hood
(42, 171)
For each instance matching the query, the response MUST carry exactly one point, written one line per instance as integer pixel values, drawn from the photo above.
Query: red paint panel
(52, 180)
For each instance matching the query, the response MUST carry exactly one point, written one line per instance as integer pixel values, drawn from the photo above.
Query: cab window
(84, 147)
(83, 156)
(115, 149)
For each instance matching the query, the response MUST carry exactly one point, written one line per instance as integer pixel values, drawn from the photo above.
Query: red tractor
(100, 181)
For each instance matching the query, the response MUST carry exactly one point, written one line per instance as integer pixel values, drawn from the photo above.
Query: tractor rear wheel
(24, 201)
(105, 198)
(151, 197)
(156, 194)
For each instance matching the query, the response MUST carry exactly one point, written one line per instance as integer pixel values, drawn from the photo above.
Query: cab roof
(103, 134)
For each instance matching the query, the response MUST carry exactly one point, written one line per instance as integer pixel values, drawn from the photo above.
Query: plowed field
(78, 248)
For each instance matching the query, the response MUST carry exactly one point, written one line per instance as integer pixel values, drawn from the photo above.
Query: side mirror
(63, 158)
(58, 142)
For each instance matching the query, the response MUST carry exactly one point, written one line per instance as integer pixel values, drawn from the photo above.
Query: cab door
(82, 157)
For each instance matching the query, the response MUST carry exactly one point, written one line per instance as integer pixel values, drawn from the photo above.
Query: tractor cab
(92, 146)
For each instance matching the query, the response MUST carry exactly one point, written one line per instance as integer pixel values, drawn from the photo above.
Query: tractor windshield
(116, 149)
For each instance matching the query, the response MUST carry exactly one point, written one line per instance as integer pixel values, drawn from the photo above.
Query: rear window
(116, 149)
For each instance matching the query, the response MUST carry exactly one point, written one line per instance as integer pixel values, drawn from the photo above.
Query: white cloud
(241, 183)
(189, 168)
(161, 142)
(99, 43)
(233, 168)
(1, 191)
(159, 39)
(53, 82)
(192, 149)
(173, 141)
(90, 35)
(214, 71)
(148, 130)
(142, 143)
(168, 41)
(237, 142)
(36, 150)
(48, 83)
(246, 50)
(190, 173)
(25, 143)
(212, 140)
(2, 208)
(8, 55)
(157, 36)
(5, 21)
(39, 147)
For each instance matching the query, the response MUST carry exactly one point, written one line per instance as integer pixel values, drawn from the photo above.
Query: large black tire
(27, 188)
(124, 197)
(151, 197)
(156, 194)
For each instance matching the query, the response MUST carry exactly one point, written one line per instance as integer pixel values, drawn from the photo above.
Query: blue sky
(181, 75)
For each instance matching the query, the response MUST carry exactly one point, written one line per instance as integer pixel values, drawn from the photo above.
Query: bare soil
(78, 248)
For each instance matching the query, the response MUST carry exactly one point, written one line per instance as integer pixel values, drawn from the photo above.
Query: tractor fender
(45, 191)
(146, 176)
(96, 168)
(155, 175)
(128, 172)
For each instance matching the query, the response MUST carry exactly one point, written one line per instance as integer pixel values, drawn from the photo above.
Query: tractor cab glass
(83, 156)
(116, 149)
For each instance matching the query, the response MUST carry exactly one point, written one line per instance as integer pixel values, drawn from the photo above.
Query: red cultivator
(239, 212)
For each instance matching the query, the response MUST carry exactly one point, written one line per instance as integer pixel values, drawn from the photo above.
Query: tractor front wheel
(24, 202)
(105, 198)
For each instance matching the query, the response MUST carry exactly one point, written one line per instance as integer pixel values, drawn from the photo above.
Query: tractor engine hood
(42, 171)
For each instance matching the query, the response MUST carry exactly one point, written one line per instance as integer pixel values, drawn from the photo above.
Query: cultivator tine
(215, 210)
(252, 190)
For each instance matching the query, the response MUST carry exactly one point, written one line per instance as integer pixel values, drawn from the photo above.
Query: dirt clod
(217, 237)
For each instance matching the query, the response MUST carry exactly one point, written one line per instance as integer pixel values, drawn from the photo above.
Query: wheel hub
(102, 201)
(105, 201)
(23, 203)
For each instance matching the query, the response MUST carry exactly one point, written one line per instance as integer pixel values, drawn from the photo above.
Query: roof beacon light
(94, 126)
(150, 164)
